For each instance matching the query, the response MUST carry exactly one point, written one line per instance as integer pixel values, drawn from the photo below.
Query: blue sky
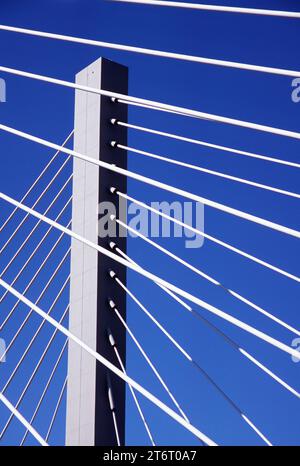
(47, 111)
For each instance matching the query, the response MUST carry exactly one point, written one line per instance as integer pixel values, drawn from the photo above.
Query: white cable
(145, 310)
(35, 182)
(50, 378)
(56, 409)
(34, 205)
(209, 237)
(113, 246)
(272, 341)
(206, 170)
(35, 250)
(207, 277)
(112, 409)
(157, 53)
(269, 372)
(158, 184)
(111, 366)
(157, 105)
(136, 401)
(23, 421)
(205, 144)
(223, 9)
(188, 357)
(33, 374)
(32, 231)
(29, 346)
(149, 362)
(28, 286)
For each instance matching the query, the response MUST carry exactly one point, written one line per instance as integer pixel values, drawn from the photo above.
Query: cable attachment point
(112, 304)
(113, 121)
(112, 245)
(112, 274)
(111, 338)
(113, 143)
(112, 189)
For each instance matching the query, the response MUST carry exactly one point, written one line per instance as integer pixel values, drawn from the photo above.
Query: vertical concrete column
(89, 420)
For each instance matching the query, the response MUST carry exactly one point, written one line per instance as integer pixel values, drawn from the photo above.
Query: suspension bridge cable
(213, 327)
(229, 318)
(23, 244)
(45, 236)
(207, 236)
(155, 105)
(37, 332)
(158, 184)
(148, 360)
(218, 8)
(23, 421)
(112, 408)
(189, 358)
(136, 401)
(56, 409)
(205, 276)
(32, 376)
(114, 121)
(111, 366)
(33, 206)
(31, 282)
(50, 378)
(157, 53)
(35, 182)
(205, 170)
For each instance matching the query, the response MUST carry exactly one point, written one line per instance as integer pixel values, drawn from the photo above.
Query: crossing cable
(56, 409)
(188, 357)
(112, 408)
(229, 318)
(31, 282)
(204, 170)
(57, 297)
(111, 366)
(148, 360)
(177, 137)
(36, 181)
(206, 235)
(23, 421)
(213, 327)
(34, 205)
(45, 391)
(157, 53)
(36, 249)
(35, 227)
(154, 105)
(205, 276)
(160, 185)
(218, 8)
(33, 374)
(33, 339)
(136, 401)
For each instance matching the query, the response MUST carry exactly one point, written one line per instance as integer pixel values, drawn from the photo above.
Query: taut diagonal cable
(206, 276)
(36, 182)
(207, 236)
(136, 401)
(190, 359)
(160, 185)
(199, 302)
(225, 337)
(111, 366)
